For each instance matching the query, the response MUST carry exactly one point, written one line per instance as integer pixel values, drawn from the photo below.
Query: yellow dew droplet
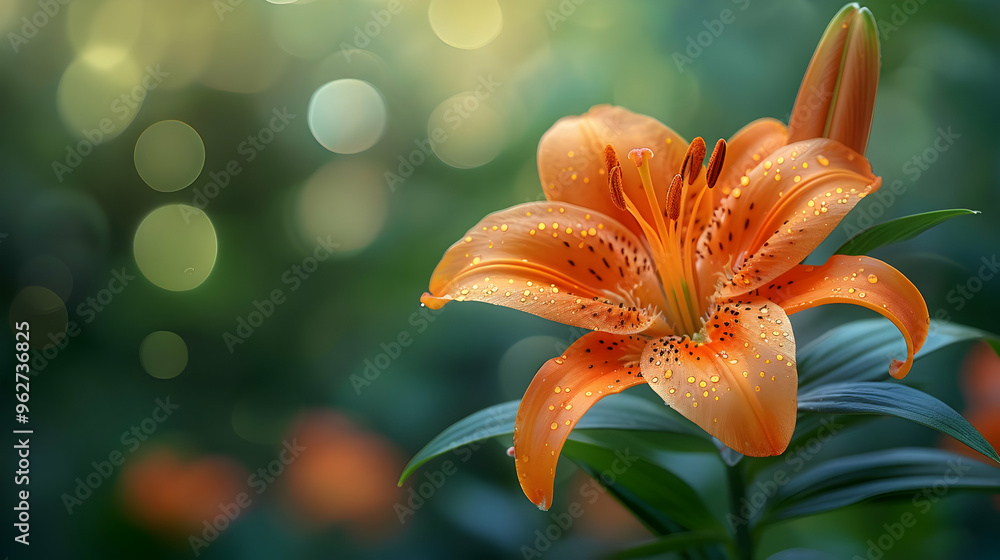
(541, 225)
(822, 160)
(746, 373)
(588, 393)
(737, 192)
(668, 373)
(872, 278)
(655, 380)
(554, 425)
(850, 291)
(714, 378)
(532, 232)
(568, 422)
(862, 294)
(702, 384)
(672, 391)
(691, 379)
(552, 407)
(569, 407)
(744, 180)
(558, 389)
(767, 164)
(811, 203)
(757, 388)
(503, 227)
(569, 153)
(704, 393)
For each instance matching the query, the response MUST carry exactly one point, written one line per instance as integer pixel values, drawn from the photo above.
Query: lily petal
(793, 199)
(557, 261)
(741, 385)
(595, 366)
(837, 97)
(571, 161)
(862, 281)
(748, 147)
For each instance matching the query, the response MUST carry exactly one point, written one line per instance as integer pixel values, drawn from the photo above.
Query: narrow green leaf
(631, 470)
(670, 543)
(623, 412)
(900, 229)
(895, 400)
(862, 350)
(920, 475)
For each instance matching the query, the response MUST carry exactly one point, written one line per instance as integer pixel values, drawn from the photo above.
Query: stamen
(610, 158)
(617, 191)
(674, 197)
(637, 155)
(695, 156)
(715, 163)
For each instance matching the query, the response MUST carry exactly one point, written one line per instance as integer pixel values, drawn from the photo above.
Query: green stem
(737, 491)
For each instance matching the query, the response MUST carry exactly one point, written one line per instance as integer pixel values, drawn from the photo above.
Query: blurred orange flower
(344, 475)
(174, 496)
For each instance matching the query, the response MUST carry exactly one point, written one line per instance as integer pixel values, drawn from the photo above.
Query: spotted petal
(595, 366)
(788, 204)
(557, 261)
(862, 281)
(571, 161)
(740, 385)
(748, 147)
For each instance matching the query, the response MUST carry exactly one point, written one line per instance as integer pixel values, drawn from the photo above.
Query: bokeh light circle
(45, 313)
(347, 116)
(163, 354)
(175, 247)
(169, 155)
(465, 131)
(466, 24)
(344, 204)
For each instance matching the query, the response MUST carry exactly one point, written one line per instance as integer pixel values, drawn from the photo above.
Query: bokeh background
(332, 150)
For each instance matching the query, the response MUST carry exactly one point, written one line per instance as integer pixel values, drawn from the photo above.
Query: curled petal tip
(898, 369)
(434, 302)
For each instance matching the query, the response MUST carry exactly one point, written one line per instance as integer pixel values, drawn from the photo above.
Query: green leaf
(862, 350)
(670, 543)
(895, 400)
(633, 474)
(622, 412)
(900, 229)
(920, 475)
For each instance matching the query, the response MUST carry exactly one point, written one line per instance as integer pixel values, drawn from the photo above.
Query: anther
(610, 158)
(617, 191)
(674, 197)
(715, 163)
(695, 156)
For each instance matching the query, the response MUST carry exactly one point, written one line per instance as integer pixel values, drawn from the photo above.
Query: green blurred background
(281, 340)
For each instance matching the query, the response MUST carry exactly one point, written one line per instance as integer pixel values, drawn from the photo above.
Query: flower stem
(737, 491)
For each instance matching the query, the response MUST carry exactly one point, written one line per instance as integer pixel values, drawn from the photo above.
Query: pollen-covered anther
(695, 156)
(610, 158)
(715, 163)
(674, 197)
(615, 185)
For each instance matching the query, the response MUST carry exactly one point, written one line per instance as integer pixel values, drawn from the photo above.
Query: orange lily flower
(687, 273)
